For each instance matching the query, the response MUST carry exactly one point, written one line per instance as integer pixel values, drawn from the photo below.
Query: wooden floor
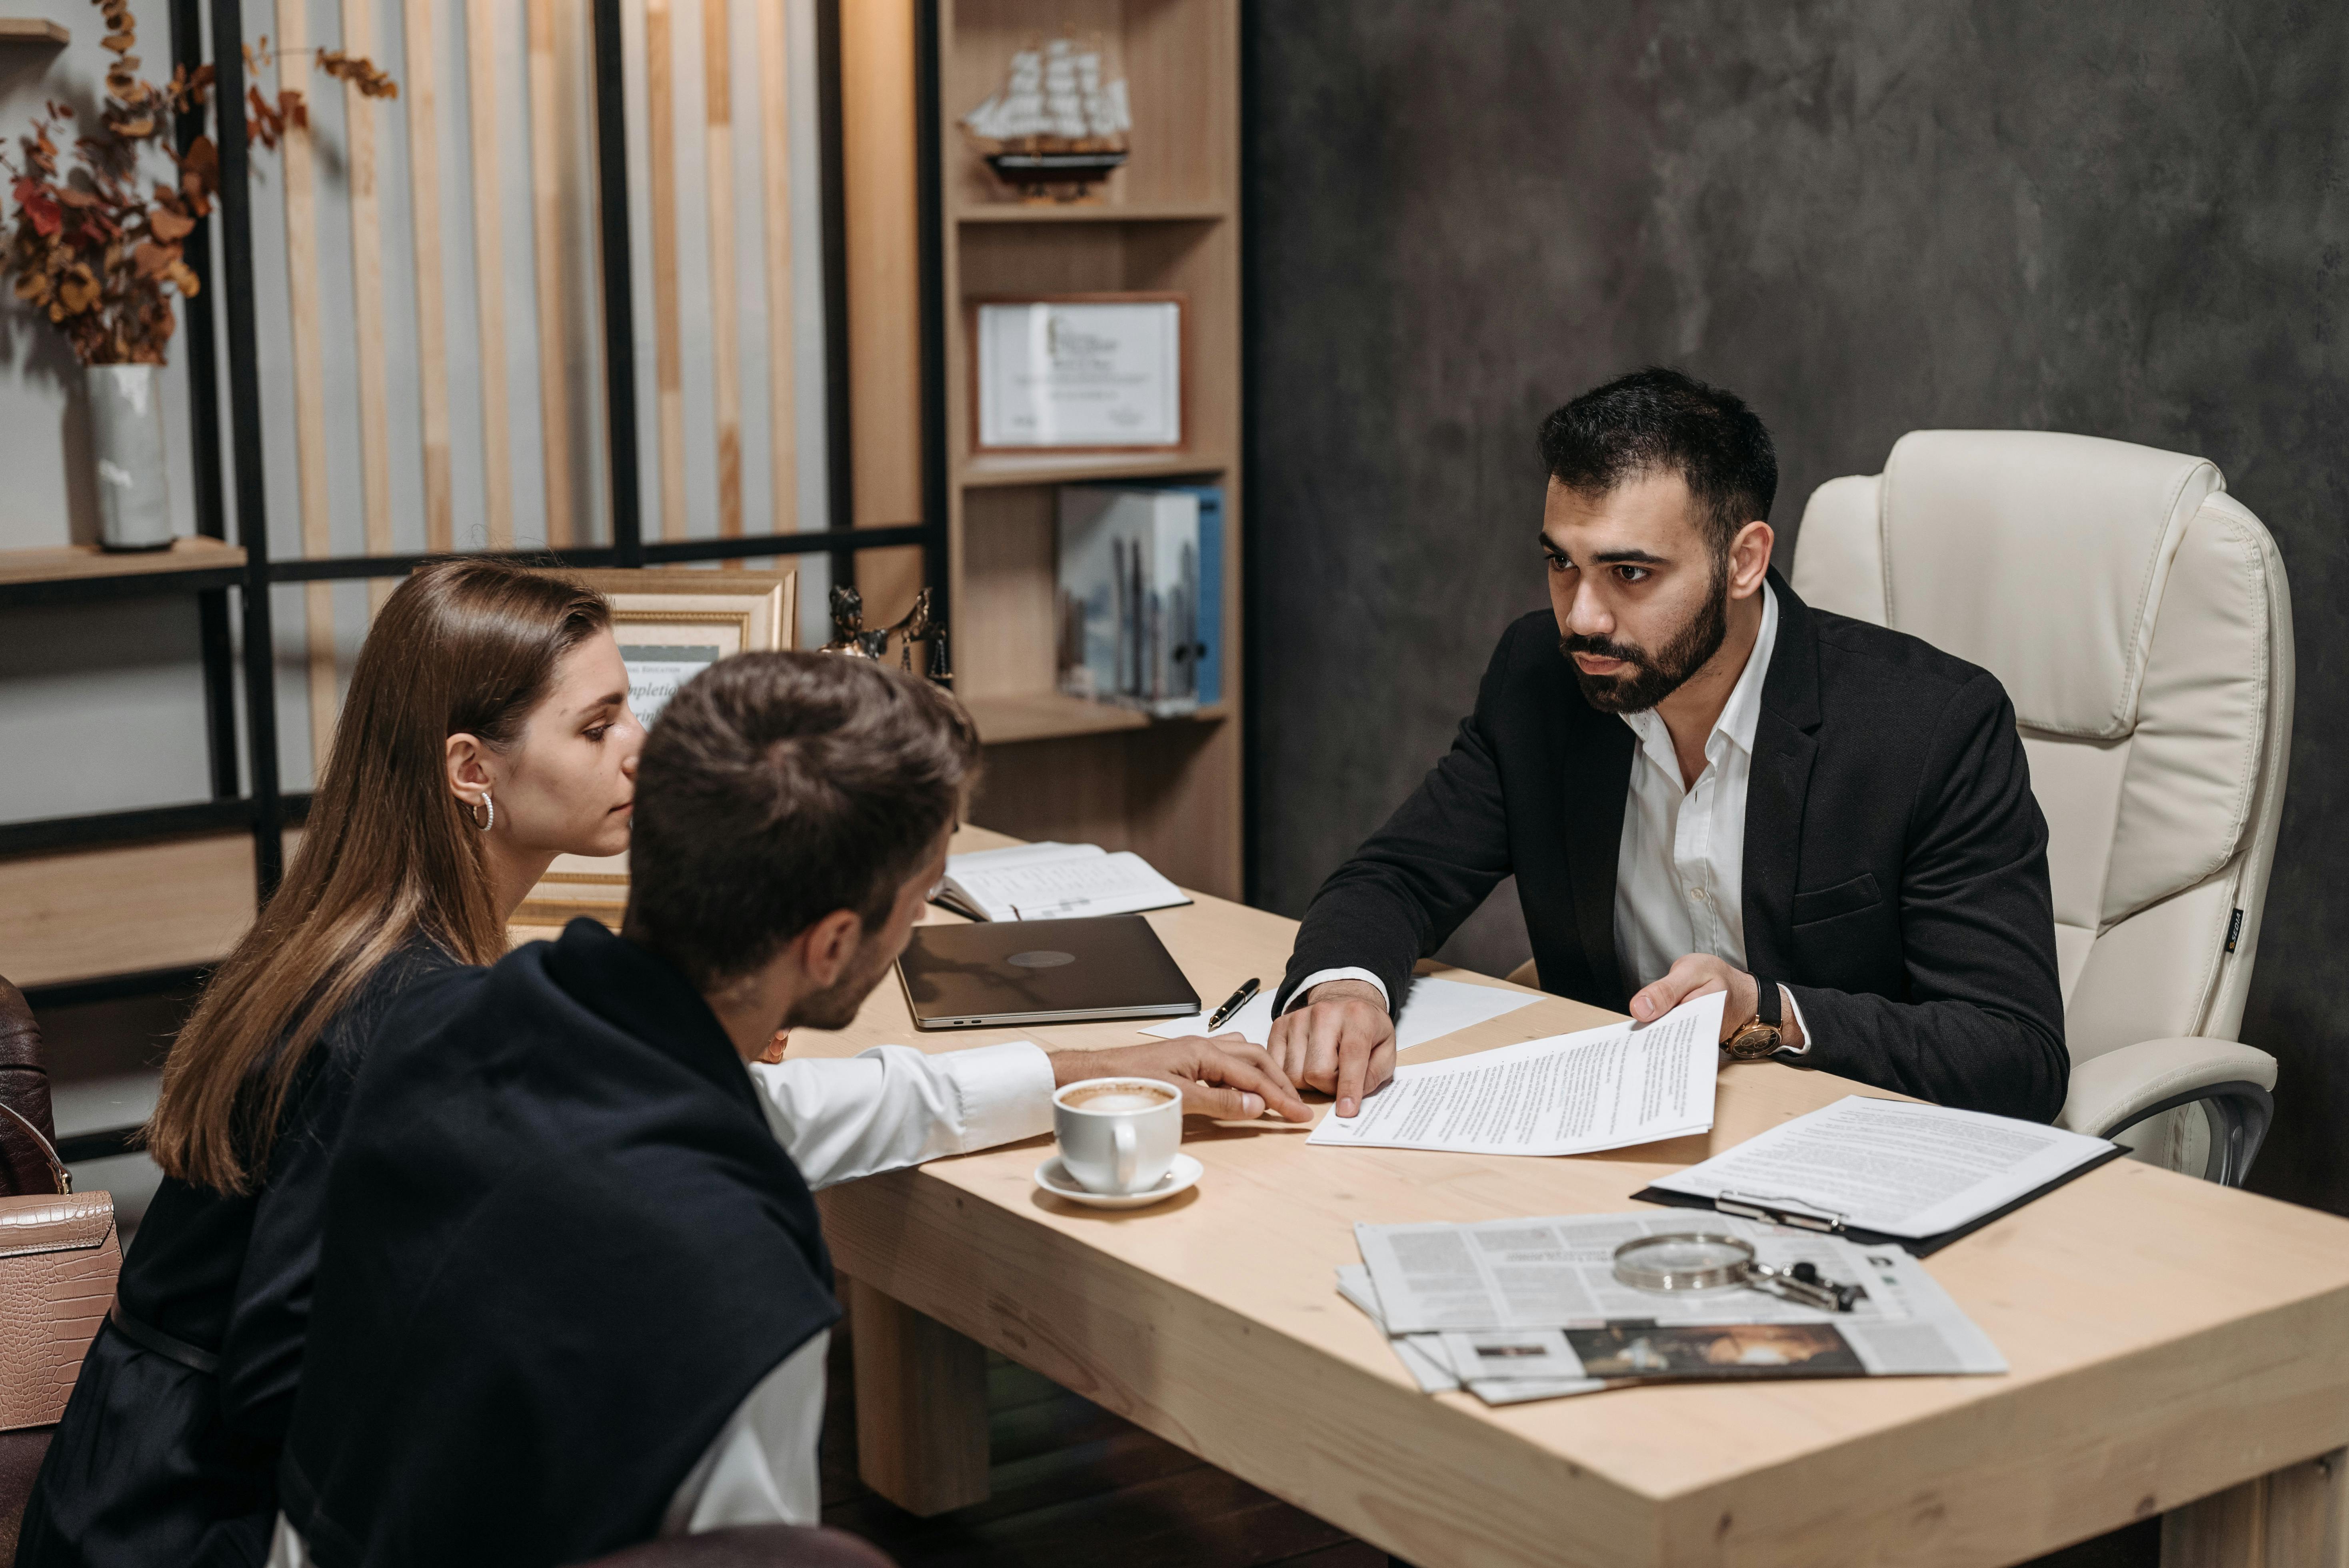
(1076, 1486)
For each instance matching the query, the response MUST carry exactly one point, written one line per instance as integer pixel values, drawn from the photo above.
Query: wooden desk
(2170, 1340)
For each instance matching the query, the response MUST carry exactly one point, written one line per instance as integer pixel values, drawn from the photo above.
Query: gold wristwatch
(1758, 1035)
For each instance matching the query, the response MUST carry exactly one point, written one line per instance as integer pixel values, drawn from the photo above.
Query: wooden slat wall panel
(421, 92)
(725, 348)
(775, 164)
(669, 355)
(367, 294)
(489, 267)
(880, 193)
(546, 214)
(298, 169)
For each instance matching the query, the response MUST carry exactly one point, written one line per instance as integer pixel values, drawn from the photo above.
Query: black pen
(1238, 1000)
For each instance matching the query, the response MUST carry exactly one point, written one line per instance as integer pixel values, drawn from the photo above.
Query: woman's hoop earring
(487, 805)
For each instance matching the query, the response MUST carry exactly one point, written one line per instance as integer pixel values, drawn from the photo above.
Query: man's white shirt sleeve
(1321, 976)
(893, 1106)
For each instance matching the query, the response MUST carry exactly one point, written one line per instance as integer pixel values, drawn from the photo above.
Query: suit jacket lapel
(1594, 757)
(1786, 743)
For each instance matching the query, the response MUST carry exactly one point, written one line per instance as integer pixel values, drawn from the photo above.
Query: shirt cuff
(1800, 1022)
(1320, 976)
(1005, 1091)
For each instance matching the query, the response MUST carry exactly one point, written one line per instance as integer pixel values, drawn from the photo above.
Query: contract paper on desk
(1529, 1309)
(1434, 1009)
(1891, 1166)
(1607, 1087)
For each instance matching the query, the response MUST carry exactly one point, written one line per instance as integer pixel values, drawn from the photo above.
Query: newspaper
(1548, 1273)
(1607, 1087)
(1527, 1309)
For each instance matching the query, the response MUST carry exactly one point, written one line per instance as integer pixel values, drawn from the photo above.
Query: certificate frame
(669, 608)
(1174, 389)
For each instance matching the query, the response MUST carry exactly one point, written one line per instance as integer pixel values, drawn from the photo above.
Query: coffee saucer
(1181, 1177)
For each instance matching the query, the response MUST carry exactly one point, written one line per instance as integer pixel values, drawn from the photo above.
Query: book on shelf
(1052, 881)
(1140, 596)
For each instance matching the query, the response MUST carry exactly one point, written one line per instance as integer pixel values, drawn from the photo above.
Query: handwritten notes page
(1607, 1087)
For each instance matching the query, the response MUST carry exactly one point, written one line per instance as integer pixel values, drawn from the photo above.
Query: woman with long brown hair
(486, 731)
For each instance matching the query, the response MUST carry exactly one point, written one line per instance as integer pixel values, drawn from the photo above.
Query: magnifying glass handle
(1802, 1284)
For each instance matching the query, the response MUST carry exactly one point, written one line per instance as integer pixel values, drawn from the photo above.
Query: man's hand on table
(1340, 1042)
(1695, 975)
(1225, 1077)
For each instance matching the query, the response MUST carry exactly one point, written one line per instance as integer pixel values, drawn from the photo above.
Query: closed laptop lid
(1041, 971)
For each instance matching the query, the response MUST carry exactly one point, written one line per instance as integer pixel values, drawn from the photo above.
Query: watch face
(1753, 1042)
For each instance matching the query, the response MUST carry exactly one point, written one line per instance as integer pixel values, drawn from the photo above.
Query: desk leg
(2297, 1517)
(921, 1406)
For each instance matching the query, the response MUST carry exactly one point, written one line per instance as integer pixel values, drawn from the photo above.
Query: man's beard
(834, 1007)
(1653, 677)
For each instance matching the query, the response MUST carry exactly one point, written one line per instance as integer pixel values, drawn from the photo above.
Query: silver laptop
(1042, 971)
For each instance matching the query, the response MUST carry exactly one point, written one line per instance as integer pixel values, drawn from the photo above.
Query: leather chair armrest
(2120, 1088)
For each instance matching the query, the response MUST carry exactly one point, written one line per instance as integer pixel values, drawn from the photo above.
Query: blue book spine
(1211, 590)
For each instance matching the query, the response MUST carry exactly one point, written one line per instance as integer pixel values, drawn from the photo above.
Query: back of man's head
(1661, 420)
(778, 788)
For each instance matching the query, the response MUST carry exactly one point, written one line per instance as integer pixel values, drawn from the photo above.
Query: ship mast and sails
(1056, 121)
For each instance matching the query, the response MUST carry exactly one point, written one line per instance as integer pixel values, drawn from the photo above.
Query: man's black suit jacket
(1896, 862)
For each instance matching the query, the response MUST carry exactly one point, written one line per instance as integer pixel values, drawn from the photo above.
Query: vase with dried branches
(97, 249)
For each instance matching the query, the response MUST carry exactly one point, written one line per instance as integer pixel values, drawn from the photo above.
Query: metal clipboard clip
(1779, 1210)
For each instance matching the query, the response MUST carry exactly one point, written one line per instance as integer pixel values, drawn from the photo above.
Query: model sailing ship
(1057, 126)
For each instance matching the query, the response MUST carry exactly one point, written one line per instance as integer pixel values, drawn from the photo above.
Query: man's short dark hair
(778, 788)
(1664, 421)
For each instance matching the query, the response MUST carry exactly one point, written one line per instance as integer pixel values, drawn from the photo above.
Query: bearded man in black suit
(1701, 783)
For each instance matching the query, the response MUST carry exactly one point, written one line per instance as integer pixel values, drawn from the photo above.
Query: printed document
(1434, 1009)
(1054, 882)
(1607, 1087)
(1888, 1166)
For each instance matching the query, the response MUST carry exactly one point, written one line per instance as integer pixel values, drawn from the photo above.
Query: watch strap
(1767, 1007)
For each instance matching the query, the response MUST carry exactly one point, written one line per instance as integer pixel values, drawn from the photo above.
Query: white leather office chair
(2139, 617)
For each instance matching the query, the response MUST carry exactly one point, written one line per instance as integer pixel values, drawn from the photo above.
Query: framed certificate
(1099, 372)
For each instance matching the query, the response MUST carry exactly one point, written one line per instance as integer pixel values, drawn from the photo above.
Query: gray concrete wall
(1868, 216)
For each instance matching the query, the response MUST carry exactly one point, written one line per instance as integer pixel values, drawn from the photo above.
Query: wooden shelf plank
(33, 30)
(1050, 715)
(1093, 212)
(70, 563)
(1047, 714)
(986, 468)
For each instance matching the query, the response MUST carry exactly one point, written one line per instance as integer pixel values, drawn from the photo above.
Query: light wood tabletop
(2170, 1341)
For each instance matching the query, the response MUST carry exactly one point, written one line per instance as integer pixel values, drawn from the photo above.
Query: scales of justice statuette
(851, 638)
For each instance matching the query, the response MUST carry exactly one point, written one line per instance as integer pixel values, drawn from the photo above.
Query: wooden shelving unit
(37, 30)
(1057, 766)
(75, 563)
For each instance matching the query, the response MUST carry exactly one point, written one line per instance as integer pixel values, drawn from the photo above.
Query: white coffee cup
(1118, 1136)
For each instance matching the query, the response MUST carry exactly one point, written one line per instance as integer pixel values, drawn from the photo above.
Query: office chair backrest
(2137, 616)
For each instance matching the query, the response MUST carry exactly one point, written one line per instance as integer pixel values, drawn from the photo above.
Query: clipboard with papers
(1886, 1173)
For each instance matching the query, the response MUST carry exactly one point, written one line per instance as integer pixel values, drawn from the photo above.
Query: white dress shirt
(1679, 868)
(890, 1107)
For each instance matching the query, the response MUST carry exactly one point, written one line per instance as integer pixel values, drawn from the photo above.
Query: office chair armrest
(2114, 1092)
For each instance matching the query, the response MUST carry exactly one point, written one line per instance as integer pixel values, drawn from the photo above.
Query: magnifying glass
(1707, 1260)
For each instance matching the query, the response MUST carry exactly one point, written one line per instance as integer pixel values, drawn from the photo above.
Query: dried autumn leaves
(94, 252)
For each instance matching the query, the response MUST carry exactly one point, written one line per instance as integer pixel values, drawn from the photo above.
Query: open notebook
(1053, 881)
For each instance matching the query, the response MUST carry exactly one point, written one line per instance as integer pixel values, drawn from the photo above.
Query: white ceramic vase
(126, 423)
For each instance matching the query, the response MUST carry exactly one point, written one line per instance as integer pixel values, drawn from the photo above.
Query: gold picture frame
(677, 622)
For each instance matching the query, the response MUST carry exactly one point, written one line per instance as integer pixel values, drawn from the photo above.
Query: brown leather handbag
(58, 1259)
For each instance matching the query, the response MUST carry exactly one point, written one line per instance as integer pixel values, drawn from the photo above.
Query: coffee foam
(1120, 1096)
